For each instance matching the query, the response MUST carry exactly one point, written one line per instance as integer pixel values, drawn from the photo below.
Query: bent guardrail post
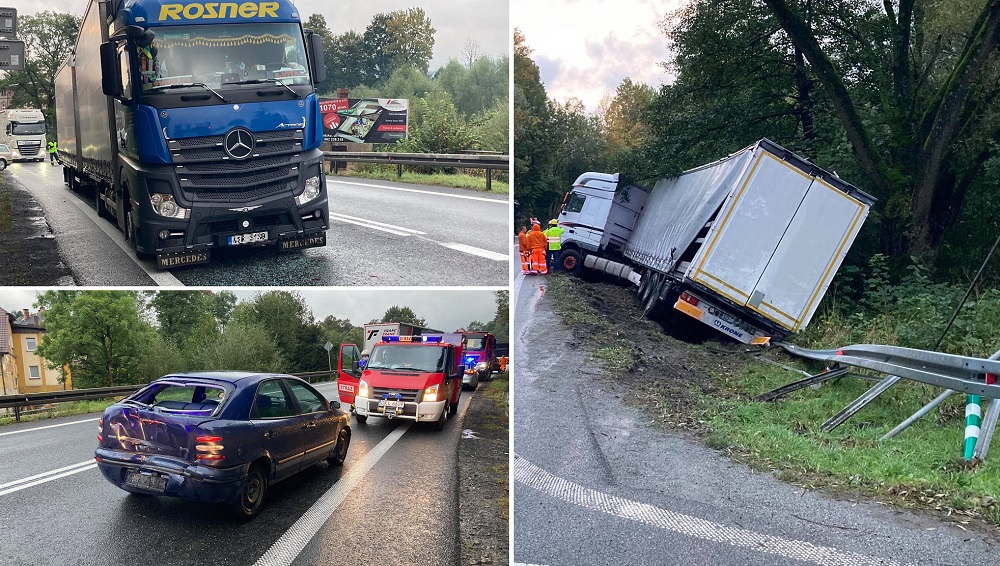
(825, 375)
(859, 403)
(916, 416)
(988, 427)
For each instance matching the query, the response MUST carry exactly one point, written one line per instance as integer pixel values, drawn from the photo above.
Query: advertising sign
(364, 120)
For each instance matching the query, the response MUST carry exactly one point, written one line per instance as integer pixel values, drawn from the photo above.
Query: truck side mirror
(317, 64)
(460, 371)
(110, 77)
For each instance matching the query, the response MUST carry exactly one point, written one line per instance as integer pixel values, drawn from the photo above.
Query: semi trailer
(747, 244)
(197, 125)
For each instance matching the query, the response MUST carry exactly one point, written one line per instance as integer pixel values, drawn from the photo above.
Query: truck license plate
(144, 481)
(251, 238)
(316, 240)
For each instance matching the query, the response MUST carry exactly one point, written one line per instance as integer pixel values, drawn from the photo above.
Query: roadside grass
(456, 180)
(6, 210)
(496, 391)
(62, 410)
(921, 467)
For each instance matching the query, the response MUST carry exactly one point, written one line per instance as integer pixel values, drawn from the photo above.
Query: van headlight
(164, 205)
(363, 389)
(310, 192)
(431, 393)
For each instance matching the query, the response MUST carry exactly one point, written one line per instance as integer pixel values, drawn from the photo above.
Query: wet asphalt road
(594, 483)
(404, 509)
(381, 233)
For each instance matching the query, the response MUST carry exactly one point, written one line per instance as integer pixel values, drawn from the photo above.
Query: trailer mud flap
(179, 259)
(313, 241)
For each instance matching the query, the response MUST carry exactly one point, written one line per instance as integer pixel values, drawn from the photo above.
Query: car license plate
(251, 238)
(145, 481)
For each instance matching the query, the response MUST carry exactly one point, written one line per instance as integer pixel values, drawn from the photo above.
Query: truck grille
(29, 149)
(407, 395)
(207, 173)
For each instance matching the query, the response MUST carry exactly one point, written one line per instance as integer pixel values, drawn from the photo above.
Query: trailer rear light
(690, 299)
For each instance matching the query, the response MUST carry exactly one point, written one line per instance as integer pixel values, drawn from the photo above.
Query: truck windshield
(223, 56)
(19, 129)
(417, 358)
(474, 343)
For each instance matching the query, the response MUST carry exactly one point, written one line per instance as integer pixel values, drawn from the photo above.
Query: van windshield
(417, 358)
(223, 56)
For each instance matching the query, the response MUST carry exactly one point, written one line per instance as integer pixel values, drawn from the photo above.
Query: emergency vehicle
(416, 378)
(480, 358)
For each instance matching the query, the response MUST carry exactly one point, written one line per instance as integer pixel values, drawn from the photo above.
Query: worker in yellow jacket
(554, 236)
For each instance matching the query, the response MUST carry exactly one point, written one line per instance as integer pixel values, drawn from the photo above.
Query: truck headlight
(481, 365)
(431, 393)
(164, 205)
(363, 389)
(310, 192)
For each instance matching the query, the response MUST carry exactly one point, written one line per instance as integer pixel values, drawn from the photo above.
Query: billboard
(364, 120)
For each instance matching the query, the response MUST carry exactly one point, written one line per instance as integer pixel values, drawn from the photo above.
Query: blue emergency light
(411, 338)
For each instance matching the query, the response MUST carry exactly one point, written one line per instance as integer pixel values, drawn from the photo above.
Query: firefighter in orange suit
(522, 241)
(539, 244)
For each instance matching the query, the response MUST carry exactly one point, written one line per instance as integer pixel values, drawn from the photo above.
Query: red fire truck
(415, 378)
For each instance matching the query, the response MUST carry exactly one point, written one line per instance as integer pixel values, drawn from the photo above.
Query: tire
(3, 164)
(453, 408)
(102, 209)
(340, 450)
(654, 305)
(251, 499)
(439, 424)
(130, 229)
(362, 419)
(571, 261)
(486, 375)
(643, 292)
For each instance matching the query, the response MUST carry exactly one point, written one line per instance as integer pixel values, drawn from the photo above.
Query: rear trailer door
(779, 241)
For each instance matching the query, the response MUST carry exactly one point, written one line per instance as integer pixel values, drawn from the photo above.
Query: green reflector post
(973, 418)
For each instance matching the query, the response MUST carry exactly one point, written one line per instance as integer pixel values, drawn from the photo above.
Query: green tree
(289, 322)
(623, 117)
(317, 24)
(179, 312)
(412, 43)
(100, 335)
(500, 325)
(243, 346)
(48, 39)
(346, 61)
(436, 127)
(405, 315)
(477, 87)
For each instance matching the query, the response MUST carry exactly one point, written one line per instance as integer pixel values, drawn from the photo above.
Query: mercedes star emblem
(239, 143)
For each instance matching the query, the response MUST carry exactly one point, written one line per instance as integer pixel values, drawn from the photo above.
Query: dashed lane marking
(536, 478)
(482, 199)
(45, 427)
(495, 256)
(291, 543)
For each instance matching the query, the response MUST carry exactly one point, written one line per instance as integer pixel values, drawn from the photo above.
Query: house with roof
(19, 341)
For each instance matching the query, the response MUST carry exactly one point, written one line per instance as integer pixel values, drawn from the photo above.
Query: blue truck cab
(198, 125)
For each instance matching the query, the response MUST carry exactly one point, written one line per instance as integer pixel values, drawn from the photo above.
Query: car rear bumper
(191, 481)
(427, 411)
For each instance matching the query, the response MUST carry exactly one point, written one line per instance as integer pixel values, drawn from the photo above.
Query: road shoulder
(28, 248)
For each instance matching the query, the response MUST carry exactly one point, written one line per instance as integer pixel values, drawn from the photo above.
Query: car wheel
(362, 419)
(439, 424)
(340, 450)
(252, 494)
(3, 164)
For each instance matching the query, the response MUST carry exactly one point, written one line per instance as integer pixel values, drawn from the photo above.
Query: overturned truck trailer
(747, 245)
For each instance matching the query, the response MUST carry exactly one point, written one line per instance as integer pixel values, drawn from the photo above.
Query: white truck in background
(747, 245)
(24, 133)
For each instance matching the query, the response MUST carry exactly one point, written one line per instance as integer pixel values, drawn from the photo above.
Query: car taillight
(208, 448)
(689, 299)
(100, 429)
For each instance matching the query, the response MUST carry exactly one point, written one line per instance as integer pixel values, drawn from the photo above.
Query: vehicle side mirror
(110, 77)
(460, 371)
(334, 404)
(317, 64)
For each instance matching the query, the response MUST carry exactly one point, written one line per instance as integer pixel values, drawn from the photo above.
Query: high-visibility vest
(554, 236)
(52, 147)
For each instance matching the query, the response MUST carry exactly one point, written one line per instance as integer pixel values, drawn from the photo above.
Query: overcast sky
(444, 310)
(456, 21)
(584, 48)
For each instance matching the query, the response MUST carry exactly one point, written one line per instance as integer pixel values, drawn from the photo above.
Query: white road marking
(45, 427)
(18, 485)
(536, 478)
(291, 543)
(161, 278)
(477, 251)
(346, 221)
(483, 199)
(372, 223)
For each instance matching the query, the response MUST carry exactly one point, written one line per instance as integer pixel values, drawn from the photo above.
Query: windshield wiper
(263, 81)
(186, 85)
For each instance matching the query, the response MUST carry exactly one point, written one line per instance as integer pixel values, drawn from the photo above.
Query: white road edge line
(536, 478)
(483, 199)
(393, 226)
(45, 427)
(161, 278)
(495, 256)
(356, 223)
(284, 551)
(46, 476)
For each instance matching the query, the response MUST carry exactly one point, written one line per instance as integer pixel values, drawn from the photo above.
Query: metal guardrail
(954, 373)
(465, 161)
(19, 402)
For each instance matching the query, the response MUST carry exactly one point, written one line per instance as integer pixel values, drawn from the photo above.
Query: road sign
(8, 22)
(328, 346)
(11, 55)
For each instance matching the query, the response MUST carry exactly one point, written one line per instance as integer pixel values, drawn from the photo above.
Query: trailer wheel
(654, 304)
(571, 261)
